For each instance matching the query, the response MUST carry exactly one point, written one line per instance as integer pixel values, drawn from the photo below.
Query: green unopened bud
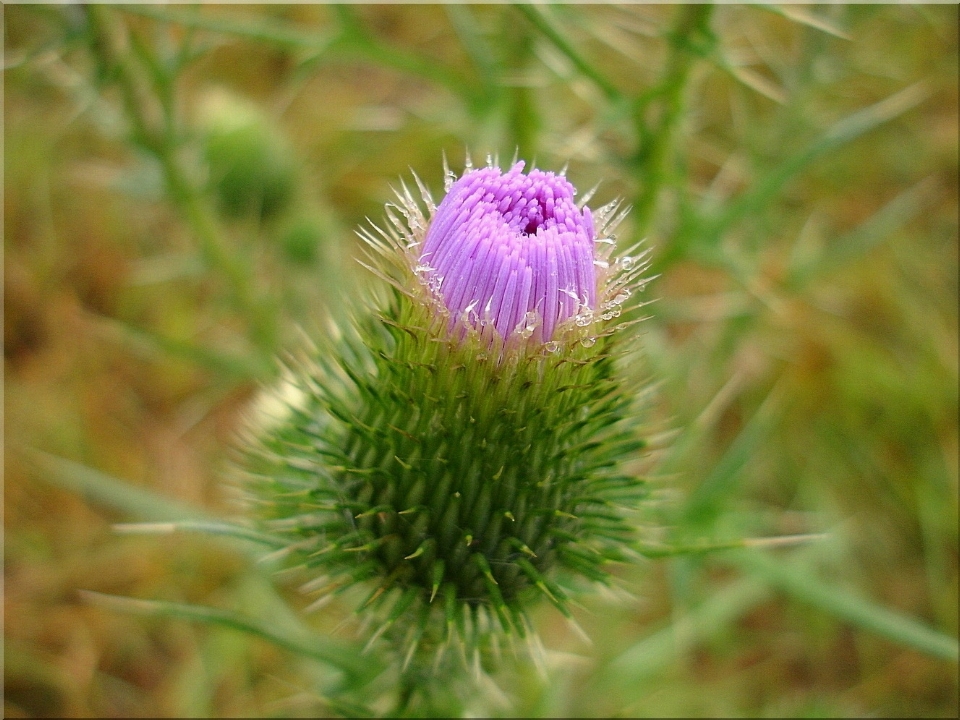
(461, 450)
(251, 171)
(302, 239)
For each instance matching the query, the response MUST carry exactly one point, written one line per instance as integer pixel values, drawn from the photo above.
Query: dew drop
(588, 341)
(527, 325)
(552, 346)
(584, 317)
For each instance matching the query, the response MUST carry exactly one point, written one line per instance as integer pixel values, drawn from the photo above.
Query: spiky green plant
(460, 448)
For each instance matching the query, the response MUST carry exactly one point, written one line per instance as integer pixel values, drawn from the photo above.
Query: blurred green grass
(795, 170)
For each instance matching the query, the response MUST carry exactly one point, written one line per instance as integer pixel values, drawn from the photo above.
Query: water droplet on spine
(529, 323)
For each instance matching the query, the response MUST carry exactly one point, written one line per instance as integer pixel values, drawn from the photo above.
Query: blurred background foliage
(181, 188)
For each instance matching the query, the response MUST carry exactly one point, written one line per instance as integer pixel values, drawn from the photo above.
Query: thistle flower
(461, 453)
(512, 250)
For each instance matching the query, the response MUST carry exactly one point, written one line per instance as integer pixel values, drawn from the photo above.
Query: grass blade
(336, 654)
(722, 480)
(110, 492)
(655, 552)
(647, 657)
(791, 578)
(224, 529)
(838, 135)
(880, 226)
(805, 17)
(539, 20)
(151, 345)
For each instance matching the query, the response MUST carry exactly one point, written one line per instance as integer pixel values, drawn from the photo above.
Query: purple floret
(504, 246)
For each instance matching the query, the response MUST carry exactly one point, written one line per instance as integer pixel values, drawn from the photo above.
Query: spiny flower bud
(461, 451)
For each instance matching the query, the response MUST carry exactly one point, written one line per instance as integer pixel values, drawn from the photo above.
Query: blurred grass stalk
(148, 90)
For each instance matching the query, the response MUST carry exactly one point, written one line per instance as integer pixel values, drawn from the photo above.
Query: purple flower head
(512, 250)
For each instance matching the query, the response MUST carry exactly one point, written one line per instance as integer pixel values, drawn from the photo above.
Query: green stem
(216, 253)
(523, 119)
(538, 19)
(480, 52)
(655, 146)
(351, 41)
(356, 40)
(152, 118)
